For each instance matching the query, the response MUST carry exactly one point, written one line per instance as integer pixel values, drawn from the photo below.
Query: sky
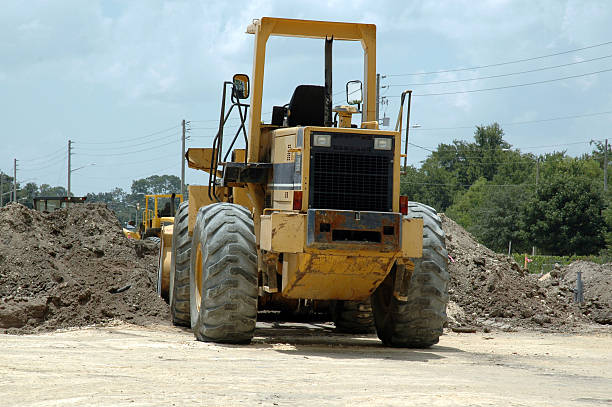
(117, 77)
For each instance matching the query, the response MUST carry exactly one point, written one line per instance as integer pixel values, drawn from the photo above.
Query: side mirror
(354, 92)
(240, 87)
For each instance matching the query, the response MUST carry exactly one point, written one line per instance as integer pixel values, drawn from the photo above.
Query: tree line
(552, 201)
(122, 202)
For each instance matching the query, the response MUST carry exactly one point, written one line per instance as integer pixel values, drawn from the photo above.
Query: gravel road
(293, 364)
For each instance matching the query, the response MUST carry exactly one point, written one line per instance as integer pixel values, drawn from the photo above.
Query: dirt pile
(597, 288)
(72, 268)
(491, 289)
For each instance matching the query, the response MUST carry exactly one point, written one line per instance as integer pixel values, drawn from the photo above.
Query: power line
(130, 152)
(576, 116)
(134, 177)
(138, 144)
(510, 86)
(129, 163)
(132, 139)
(209, 136)
(515, 148)
(217, 120)
(48, 156)
(500, 75)
(50, 163)
(504, 63)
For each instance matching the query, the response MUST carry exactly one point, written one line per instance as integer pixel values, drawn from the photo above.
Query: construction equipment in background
(154, 217)
(157, 225)
(52, 203)
(307, 216)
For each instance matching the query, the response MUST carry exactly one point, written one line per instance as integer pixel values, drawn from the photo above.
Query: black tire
(223, 275)
(417, 322)
(353, 317)
(179, 269)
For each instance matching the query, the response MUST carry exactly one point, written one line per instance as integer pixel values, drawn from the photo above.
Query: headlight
(383, 143)
(322, 140)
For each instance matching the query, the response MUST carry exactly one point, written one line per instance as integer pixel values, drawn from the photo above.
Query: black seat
(307, 106)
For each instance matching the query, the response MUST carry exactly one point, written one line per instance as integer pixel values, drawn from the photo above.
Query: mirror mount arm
(398, 125)
(217, 146)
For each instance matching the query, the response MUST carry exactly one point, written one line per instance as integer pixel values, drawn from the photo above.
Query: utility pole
(183, 162)
(606, 167)
(1, 189)
(377, 96)
(15, 180)
(69, 170)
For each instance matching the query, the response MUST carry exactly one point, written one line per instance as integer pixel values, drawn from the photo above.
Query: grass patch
(543, 264)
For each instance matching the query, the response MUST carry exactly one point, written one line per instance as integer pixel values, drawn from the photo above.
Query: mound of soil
(491, 289)
(73, 268)
(597, 288)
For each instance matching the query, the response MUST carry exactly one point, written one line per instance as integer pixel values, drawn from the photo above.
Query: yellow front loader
(157, 225)
(309, 214)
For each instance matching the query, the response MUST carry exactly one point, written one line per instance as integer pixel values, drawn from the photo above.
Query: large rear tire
(354, 317)
(223, 275)
(417, 322)
(179, 269)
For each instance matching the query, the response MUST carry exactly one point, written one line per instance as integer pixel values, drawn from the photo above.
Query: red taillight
(297, 200)
(404, 205)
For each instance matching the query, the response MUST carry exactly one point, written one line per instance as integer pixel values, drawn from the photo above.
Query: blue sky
(108, 74)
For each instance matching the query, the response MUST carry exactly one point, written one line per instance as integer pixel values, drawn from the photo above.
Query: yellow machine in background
(309, 214)
(158, 223)
(153, 218)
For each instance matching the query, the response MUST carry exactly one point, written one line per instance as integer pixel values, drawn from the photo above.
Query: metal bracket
(403, 274)
(235, 173)
(269, 267)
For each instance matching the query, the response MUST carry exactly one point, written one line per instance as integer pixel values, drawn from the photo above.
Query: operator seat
(307, 106)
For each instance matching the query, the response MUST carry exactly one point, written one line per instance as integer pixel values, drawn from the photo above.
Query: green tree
(26, 194)
(451, 169)
(564, 216)
(48, 190)
(157, 184)
(466, 205)
(114, 200)
(499, 220)
(7, 185)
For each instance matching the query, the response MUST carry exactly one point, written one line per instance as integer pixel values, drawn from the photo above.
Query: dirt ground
(298, 364)
(73, 268)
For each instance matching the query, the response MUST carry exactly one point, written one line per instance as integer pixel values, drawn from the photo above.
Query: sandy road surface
(299, 364)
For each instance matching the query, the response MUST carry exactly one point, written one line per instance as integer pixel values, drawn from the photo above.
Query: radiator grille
(342, 178)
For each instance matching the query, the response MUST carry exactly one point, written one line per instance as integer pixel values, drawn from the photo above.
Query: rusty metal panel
(352, 230)
(327, 277)
(412, 237)
(283, 232)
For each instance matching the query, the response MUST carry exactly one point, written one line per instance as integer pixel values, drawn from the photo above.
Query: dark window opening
(388, 230)
(356, 236)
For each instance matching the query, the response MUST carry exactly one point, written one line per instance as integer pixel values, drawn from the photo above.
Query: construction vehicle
(309, 214)
(153, 218)
(158, 222)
